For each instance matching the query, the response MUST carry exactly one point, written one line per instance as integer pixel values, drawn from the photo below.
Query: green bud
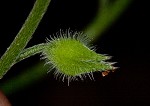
(71, 56)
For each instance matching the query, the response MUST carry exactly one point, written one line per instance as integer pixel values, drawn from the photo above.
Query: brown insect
(104, 73)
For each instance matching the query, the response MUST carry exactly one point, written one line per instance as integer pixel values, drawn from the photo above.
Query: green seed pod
(71, 56)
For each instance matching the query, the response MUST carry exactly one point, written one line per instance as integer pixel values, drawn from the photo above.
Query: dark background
(126, 40)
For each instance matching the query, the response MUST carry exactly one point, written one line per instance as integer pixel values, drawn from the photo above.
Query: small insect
(105, 73)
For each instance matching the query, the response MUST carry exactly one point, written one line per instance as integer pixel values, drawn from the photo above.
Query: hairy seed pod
(72, 57)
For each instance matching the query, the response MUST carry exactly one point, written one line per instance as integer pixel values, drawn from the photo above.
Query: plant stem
(107, 14)
(23, 37)
(30, 52)
(26, 78)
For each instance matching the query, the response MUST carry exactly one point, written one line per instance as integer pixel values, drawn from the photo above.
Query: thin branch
(106, 15)
(23, 37)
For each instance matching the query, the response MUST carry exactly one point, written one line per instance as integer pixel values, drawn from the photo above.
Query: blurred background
(126, 40)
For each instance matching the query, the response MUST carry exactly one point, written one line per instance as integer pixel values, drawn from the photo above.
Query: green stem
(107, 14)
(30, 52)
(23, 37)
(26, 78)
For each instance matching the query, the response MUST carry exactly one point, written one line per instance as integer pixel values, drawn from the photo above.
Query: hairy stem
(30, 52)
(23, 37)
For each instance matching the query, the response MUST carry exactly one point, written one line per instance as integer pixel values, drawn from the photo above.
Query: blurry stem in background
(23, 36)
(26, 78)
(107, 14)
